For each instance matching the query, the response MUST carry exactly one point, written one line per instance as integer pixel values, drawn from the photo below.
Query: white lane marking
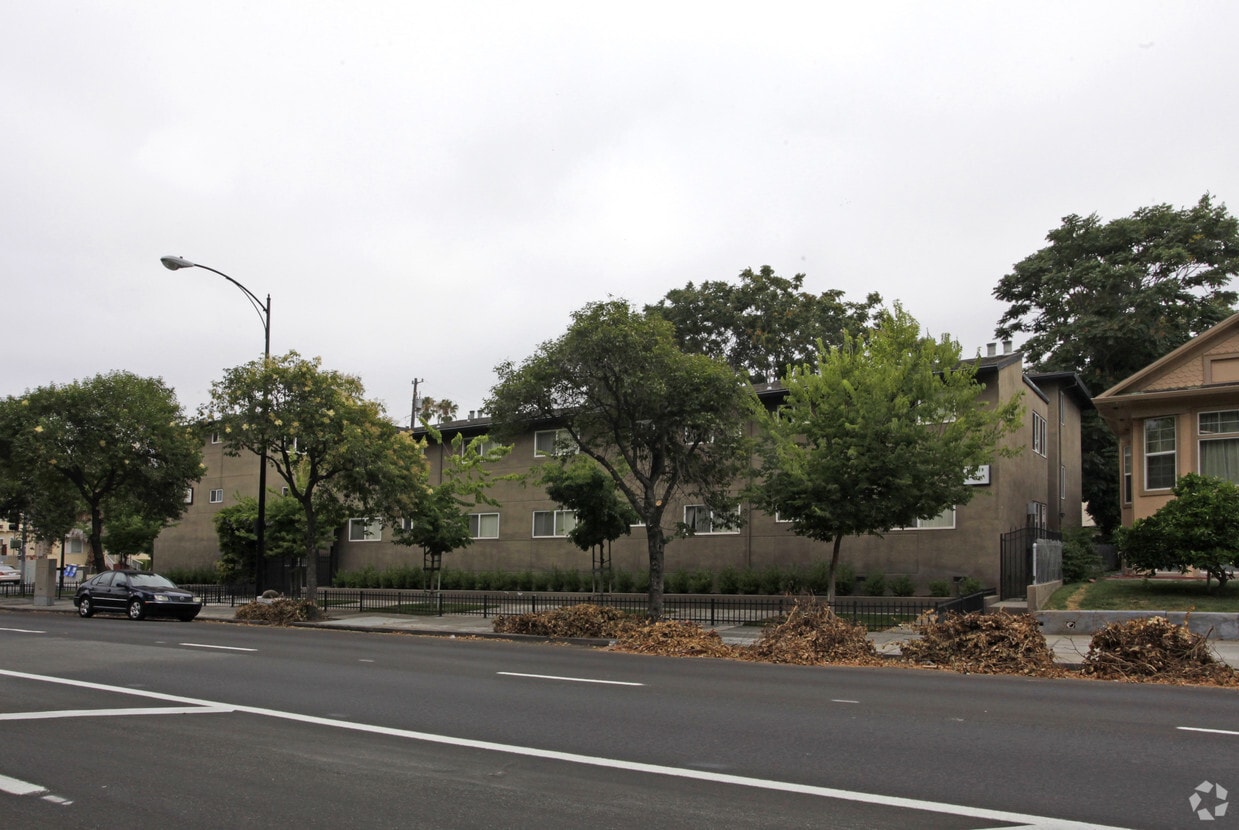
(840, 700)
(1202, 729)
(569, 679)
(23, 630)
(222, 648)
(1040, 822)
(112, 713)
(14, 787)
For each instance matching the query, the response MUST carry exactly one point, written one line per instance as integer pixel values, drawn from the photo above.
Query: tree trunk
(830, 574)
(311, 556)
(657, 545)
(96, 540)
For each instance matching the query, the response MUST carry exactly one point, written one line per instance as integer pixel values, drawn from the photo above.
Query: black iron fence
(875, 613)
(1017, 563)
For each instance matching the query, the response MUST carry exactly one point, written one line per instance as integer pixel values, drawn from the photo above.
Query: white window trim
(1039, 435)
(479, 517)
(217, 495)
(1127, 473)
(918, 526)
(557, 529)
(371, 530)
(1173, 453)
(562, 440)
(731, 531)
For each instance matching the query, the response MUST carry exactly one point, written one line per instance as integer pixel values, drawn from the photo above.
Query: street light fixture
(175, 263)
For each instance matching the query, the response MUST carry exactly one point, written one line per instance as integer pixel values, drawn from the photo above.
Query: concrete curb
(1216, 626)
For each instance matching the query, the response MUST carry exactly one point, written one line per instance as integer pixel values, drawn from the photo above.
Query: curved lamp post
(174, 263)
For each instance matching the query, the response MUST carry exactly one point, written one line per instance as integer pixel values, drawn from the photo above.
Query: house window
(485, 447)
(701, 519)
(1038, 436)
(1159, 453)
(214, 437)
(217, 496)
(365, 530)
(1036, 514)
(552, 442)
(1219, 444)
(74, 546)
(943, 521)
(1126, 473)
(484, 525)
(189, 495)
(551, 523)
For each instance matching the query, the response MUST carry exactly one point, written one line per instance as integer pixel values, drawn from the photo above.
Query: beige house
(1176, 416)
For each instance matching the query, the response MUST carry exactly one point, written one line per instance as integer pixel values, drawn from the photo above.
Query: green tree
(115, 444)
(662, 422)
(1198, 529)
(283, 538)
(877, 433)
(1106, 299)
(763, 324)
(336, 451)
(441, 523)
(602, 514)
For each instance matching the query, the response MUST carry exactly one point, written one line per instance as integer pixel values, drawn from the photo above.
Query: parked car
(10, 575)
(136, 593)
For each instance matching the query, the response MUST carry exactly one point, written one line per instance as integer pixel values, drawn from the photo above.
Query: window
(1159, 453)
(217, 496)
(73, 546)
(484, 525)
(1127, 474)
(549, 523)
(485, 447)
(214, 437)
(1038, 436)
(365, 530)
(1219, 444)
(552, 442)
(1036, 514)
(189, 495)
(701, 519)
(943, 521)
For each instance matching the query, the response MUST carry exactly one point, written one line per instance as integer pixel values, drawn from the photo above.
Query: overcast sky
(427, 189)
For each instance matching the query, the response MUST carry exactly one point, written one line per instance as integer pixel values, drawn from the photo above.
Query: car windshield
(150, 581)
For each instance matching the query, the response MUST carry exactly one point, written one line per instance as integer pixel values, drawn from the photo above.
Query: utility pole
(416, 401)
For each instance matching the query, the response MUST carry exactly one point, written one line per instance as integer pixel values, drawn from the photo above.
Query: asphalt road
(107, 722)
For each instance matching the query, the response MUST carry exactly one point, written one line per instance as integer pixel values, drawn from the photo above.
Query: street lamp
(174, 263)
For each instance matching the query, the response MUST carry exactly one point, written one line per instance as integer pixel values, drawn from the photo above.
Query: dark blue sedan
(136, 593)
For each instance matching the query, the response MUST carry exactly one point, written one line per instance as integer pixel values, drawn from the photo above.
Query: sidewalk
(1069, 649)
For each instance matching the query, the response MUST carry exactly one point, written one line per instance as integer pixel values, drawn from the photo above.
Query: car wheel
(136, 610)
(85, 608)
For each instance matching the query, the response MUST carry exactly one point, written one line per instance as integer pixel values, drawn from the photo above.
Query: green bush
(902, 586)
(940, 588)
(749, 581)
(845, 580)
(1081, 560)
(641, 583)
(206, 575)
(623, 582)
(968, 585)
(700, 581)
(875, 585)
(676, 582)
(729, 581)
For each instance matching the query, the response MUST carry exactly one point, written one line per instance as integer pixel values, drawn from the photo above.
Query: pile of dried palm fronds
(281, 611)
(1155, 649)
(811, 635)
(675, 638)
(585, 620)
(984, 644)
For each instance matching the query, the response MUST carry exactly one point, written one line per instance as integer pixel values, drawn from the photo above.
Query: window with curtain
(1219, 444)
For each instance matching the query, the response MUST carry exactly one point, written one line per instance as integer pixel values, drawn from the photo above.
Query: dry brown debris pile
(584, 620)
(984, 644)
(280, 611)
(1153, 648)
(675, 638)
(811, 635)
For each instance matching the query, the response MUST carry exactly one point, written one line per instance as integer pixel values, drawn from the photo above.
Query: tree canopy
(336, 451)
(113, 445)
(1198, 529)
(763, 324)
(579, 484)
(662, 422)
(877, 433)
(284, 534)
(1106, 299)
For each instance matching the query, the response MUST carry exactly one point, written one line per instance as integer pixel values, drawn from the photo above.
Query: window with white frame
(189, 495)
(1219, 444)
(1159, 453)
(1126, 473)
(547, 442)
(217, 495)
(365, 530)
(700, 519)
(551, 523)
(943, 521)
(1038, 435)
(1036, 514)
(484, 525)
(214, 437)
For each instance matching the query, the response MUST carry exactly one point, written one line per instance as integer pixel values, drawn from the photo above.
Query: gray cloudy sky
(427, 189)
